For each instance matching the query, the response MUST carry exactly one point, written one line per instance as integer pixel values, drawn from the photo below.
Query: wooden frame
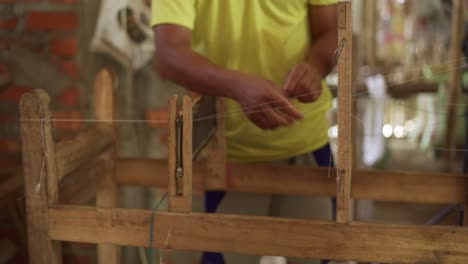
(50, 221)
(88, 159)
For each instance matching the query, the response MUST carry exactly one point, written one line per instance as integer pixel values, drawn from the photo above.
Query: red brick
(67, 120)
(4, 45)
(65, 1)
(157, 119)
(163, 138)
(9, 146)
(70, 97)
(13, 94)
(4, 70)
(8, 163)
(8, 24)
(66, 47)
(42, 21)
(70, 68)
(7, 118)
(15, 1)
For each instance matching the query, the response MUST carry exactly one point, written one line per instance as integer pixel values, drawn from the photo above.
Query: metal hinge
(179, 123)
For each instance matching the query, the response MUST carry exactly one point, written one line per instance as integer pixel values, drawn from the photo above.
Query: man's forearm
(322, 53)
(195, 72)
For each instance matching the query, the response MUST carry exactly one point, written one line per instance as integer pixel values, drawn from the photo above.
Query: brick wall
(38, 49)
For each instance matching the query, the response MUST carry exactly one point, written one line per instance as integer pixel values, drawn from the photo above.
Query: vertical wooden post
(370, 34)
(107, 194)
(40, 176)
(345, 111)
(180, 178)
(455, 81)
(216, 161)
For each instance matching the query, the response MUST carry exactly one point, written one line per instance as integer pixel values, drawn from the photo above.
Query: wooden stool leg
(107, 194)
(39, 176)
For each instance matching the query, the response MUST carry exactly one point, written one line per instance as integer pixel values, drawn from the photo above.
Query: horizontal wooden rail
(78, 187)
(432, 188)
(261, 235)
(396, 90)
(84, 148)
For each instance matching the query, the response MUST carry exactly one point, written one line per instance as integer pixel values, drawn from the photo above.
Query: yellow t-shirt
(265, 38)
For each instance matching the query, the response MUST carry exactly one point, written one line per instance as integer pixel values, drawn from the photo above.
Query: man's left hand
(304, 83)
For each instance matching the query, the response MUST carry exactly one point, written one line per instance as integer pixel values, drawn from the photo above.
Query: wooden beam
(455, 81)
(432, 188)
(345, 112)
(37, 143)
(262, 235)
(84, 148)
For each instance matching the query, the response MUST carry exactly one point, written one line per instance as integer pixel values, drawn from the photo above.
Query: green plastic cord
(155, 209)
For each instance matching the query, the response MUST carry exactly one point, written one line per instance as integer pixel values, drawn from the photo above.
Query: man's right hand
(263, 103)
(261, 100)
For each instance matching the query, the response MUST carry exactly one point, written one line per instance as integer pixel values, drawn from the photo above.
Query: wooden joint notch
(180, 156)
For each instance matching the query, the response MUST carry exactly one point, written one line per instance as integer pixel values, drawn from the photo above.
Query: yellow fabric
(264, 38)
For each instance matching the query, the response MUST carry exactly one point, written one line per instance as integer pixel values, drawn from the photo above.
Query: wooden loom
(90, 157)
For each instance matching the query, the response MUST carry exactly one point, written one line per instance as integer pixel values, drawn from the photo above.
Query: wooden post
(216, 161)
(370, 33)
(39, 176)
(345, 111)
(107, 193)
(180, 156)
(454, 84)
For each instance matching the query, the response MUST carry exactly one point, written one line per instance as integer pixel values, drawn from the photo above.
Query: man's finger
(284, 106)
(275, 119)
(258, 120)
(293, 80)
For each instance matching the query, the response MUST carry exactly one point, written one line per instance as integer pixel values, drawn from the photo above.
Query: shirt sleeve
(323, 2)
(179, 12)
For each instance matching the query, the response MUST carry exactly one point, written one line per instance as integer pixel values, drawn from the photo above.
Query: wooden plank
(455, 82)
(345, 111)
(83, 148)
(431, 188)
(262, 235)
(35, 144)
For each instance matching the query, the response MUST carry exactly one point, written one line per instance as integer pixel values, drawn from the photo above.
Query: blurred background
(404, 74)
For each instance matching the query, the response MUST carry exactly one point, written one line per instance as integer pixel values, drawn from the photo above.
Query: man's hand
(304, 82)
(263, 104)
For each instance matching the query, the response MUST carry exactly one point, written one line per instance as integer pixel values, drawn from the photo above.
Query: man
(258, 54)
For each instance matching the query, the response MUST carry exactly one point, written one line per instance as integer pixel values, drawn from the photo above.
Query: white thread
(166, 243)
(44, 155)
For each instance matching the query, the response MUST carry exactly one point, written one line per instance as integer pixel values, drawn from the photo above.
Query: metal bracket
(180, 156)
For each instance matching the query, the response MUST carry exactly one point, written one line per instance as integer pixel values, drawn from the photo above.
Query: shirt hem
(281, 156)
